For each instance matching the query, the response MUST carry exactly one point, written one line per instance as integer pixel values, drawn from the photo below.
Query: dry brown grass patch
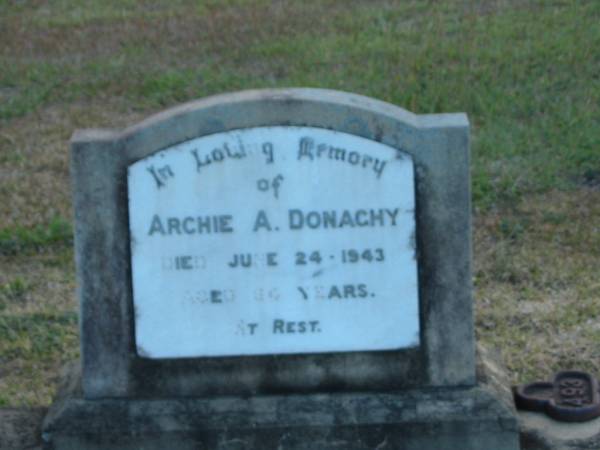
(34, 169)
(537, 290)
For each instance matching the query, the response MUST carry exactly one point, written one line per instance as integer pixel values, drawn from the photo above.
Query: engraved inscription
(273, 240)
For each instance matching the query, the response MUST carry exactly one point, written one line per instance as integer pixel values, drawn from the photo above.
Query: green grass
(39, 335)
(527, 74)
(30, 87)
(31, 346)
(20, 240)
(13, 291)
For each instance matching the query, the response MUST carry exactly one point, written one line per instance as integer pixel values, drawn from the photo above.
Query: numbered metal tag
(572, 396)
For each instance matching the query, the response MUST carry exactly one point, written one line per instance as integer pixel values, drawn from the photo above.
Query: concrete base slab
(20, 428)
(539, 432)
(472, 418)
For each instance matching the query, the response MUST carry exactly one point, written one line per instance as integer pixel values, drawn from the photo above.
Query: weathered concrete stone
(439, 146)
(466, 418)
(20, 428)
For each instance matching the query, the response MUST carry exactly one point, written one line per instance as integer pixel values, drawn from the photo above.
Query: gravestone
(277, 269)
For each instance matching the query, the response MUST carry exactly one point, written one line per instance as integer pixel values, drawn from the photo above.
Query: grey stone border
(439, 145)
(468, 418)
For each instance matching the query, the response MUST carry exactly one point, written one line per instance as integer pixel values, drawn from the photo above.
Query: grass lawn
(526, 72)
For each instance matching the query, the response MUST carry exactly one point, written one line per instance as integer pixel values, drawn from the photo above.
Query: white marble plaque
(273, 240)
